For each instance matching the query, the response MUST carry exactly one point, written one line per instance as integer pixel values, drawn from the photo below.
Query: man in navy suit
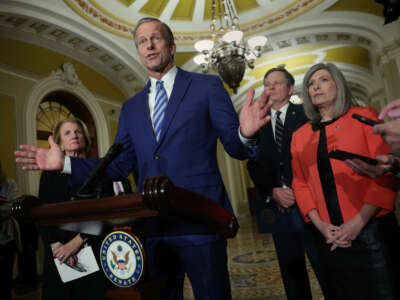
(198, 112)
(271, 173)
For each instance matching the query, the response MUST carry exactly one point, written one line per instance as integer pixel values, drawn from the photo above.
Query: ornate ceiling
(190, 19)
(301, 33)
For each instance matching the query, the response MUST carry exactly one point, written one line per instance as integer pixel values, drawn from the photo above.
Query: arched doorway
(74, 97)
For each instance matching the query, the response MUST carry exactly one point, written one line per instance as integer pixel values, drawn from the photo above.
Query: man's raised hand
(254, 115)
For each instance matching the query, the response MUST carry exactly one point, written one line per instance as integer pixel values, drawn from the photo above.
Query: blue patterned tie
(278, 132)
(159, 108)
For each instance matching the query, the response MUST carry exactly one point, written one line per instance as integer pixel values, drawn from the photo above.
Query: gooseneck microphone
(95, 178)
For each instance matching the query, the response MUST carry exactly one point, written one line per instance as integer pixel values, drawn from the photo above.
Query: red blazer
(353, 190)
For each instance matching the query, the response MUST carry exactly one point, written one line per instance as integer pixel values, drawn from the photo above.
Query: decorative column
(233, 175)
(389, 69)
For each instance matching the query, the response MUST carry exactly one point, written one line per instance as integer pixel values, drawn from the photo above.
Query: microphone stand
(96, 179)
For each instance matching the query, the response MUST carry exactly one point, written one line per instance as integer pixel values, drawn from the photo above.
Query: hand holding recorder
(390, 131)
(366, 165)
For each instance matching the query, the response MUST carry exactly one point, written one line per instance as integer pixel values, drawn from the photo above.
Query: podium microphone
(95, 177)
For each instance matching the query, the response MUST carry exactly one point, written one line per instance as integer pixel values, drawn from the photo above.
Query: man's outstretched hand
(254, 115)
(34, 158)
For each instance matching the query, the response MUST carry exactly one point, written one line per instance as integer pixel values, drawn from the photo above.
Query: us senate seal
(122, 258)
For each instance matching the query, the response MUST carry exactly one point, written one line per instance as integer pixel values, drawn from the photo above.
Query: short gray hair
(168, 35)
(80, 123)
(344, 98)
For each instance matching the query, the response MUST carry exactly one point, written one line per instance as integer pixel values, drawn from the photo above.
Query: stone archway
(63, 81)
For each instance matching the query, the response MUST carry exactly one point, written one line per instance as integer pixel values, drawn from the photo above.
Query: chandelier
(227, 53)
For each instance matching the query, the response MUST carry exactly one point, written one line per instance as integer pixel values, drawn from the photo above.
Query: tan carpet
(254, 267)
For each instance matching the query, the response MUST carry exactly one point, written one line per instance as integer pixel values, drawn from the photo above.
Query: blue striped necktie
(159, 108)
(278, 132)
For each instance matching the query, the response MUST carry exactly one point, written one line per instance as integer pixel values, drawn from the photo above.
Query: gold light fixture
(227, 52)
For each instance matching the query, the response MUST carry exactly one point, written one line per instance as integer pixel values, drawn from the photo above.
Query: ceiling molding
(78, 29)
(63, 41)
(115, 19)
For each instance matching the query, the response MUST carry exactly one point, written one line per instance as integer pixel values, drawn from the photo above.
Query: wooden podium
(159, 197)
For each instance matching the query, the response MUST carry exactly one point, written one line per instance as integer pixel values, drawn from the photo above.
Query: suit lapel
(269, 133)
(144, 119)
(181, 84)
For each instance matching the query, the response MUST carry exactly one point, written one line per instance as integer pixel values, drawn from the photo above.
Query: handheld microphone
(98, 171)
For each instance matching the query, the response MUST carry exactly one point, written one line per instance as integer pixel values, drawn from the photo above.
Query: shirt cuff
(67, 165)
(245, 141)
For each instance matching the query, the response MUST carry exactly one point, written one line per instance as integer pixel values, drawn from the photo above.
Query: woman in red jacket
(356, 231)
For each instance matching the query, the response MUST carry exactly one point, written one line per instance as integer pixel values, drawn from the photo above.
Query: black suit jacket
(272, 169)
(54, 189)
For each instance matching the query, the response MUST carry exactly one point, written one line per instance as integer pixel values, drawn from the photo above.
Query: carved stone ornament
(67, 74)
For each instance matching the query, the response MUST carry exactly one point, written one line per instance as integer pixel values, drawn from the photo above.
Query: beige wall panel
(391, 79)
(7, 133)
